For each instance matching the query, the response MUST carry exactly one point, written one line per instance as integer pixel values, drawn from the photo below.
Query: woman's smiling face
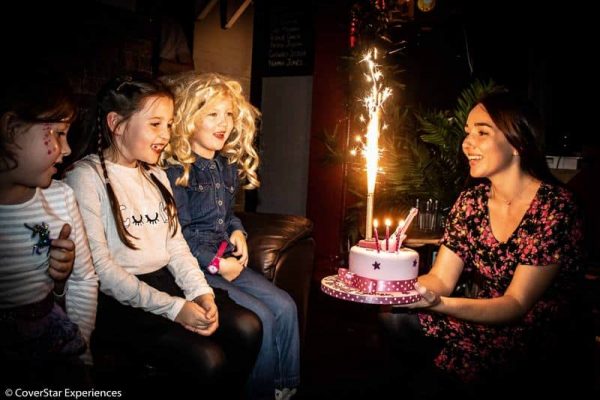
(486, 146)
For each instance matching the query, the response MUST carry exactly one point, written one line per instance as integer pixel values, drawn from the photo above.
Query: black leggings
(223, 359)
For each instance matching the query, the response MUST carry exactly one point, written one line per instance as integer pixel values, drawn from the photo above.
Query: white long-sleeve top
(143, 211)
(24, 277)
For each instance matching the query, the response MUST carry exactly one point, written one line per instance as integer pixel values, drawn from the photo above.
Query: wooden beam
(237, 14)
(206, 10)
(225, 23)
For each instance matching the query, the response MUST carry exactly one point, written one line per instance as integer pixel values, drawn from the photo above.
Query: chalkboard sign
(290, 48)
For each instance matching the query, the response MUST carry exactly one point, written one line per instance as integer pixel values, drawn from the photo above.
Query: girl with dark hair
(44, 255)
(518, 234)
(149, 278)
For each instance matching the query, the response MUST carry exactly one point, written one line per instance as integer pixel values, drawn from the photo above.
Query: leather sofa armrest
(270, 236)
(281, 247)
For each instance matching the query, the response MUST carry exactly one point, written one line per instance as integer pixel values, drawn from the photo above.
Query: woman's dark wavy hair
(126, 95)
(28, 97)
(521, 124)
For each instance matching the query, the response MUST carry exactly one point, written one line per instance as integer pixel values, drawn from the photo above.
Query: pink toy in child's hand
(215, 263)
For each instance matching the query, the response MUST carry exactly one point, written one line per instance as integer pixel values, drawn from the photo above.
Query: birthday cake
(376, 277)
(380, 271)
(393, 271)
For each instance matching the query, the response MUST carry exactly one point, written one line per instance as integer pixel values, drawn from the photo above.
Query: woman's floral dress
(549, 233)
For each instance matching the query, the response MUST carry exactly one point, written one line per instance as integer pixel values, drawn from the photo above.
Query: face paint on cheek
(50, 144)
(47, 132)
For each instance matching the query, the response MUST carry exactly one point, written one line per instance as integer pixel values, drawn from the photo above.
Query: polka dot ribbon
(368, 285)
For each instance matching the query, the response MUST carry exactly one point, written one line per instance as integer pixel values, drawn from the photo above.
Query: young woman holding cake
(516, 233)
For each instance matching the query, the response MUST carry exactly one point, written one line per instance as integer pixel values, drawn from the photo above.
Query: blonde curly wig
(192, 91)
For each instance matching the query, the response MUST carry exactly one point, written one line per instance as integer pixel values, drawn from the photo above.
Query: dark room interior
(541, 50)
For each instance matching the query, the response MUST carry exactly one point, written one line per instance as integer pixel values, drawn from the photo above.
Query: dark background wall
(532, 46)
(543, 49)
(540, 49)
(88, 41)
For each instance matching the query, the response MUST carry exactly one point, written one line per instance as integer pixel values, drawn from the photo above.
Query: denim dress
(205, 209)
(205, 206)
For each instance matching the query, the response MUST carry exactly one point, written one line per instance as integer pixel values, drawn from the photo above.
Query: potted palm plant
(421, 158)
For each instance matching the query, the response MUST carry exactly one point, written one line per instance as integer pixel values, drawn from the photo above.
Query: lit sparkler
(373, 102)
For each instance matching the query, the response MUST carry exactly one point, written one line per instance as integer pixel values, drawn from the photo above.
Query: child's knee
(208, 361)
(250, 327)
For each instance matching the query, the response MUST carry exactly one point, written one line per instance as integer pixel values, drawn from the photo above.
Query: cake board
(335, 287)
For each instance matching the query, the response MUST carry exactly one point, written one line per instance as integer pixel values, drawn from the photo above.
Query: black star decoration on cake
(376, 265)
(414, 263)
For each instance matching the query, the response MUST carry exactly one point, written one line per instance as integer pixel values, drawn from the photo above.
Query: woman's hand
(62, 256)
(230, 268)
(429, 298)
(241, 247)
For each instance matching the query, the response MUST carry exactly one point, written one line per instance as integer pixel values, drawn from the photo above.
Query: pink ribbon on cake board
(368, 285)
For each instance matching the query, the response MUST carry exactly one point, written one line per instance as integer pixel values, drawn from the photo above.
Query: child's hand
(211, 314)
(62, 255)
(241, 247)
(230, 268)
(193, 318)
(207, 302)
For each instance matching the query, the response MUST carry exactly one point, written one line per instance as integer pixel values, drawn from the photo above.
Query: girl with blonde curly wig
(193, 93)
(210, 152)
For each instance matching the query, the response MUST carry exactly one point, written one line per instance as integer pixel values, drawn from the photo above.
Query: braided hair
(126, 95)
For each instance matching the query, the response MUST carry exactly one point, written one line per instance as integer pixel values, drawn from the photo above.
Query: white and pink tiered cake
(376, 276)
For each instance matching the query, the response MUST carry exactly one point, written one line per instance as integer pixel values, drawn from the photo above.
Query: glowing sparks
(373, 102)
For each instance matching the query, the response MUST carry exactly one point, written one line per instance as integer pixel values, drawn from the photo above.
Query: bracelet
(59, 295)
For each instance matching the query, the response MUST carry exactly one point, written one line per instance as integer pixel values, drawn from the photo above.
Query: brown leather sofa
(281, 247)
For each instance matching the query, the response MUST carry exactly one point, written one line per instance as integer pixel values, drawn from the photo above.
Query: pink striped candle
(375, 225)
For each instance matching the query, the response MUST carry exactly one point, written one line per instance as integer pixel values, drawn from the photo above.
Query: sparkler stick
(373, 103)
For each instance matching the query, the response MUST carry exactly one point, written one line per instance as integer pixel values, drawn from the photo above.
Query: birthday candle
(375, 225)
